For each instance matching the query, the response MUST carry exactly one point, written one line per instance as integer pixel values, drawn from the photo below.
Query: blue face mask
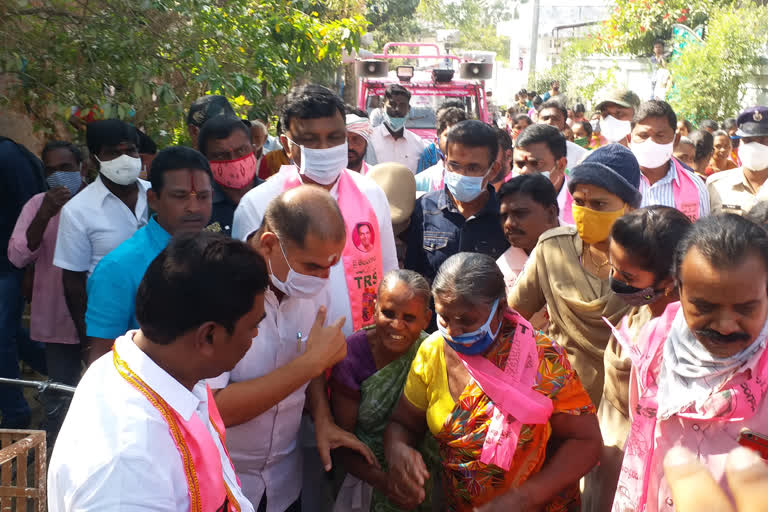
(395, 123)
(472, 343)
(464, 188)
(69, 179)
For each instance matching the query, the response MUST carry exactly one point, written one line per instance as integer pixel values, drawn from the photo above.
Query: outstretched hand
(330, 436)
(694, 488)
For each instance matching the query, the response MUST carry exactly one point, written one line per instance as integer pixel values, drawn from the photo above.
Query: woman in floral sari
(367, 384)
(515, 428)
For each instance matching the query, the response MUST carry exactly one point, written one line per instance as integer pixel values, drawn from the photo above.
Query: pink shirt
(50, 318)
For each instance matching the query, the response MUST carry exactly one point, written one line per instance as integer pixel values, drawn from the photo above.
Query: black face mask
(632, 295)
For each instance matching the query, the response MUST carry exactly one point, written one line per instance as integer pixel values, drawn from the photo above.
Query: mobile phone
(751, 439)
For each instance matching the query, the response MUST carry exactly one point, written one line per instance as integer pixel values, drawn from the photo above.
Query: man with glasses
(464, 214)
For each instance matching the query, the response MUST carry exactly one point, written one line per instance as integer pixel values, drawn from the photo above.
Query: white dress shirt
(663, 193)
(265, 450)
(574, 153)
(250, 213)
(115, 451)
(406, 150)
(93, 223)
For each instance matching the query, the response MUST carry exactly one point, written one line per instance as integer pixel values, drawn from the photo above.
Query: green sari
(380, 394)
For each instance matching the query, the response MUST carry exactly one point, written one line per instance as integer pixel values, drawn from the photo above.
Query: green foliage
(709, 78)
(392, 21)
(578, 85)
(635, 24)
(476, 21)
(147, 60)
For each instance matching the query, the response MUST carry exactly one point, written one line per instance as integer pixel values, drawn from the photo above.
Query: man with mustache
(181, 198)
(700, 373)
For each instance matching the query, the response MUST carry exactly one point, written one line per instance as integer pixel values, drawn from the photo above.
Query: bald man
(262, 398)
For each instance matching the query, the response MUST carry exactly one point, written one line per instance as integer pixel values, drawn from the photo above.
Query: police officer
(736, 190)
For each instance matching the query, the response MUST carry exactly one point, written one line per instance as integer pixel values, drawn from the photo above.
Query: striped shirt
(662, 191)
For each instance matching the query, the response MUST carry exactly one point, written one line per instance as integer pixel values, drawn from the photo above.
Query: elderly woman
(368, 382)
(569, 268)
(642, 249)
(493, 392)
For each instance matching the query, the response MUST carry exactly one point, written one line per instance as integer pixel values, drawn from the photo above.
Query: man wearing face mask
(32, 243)
(464, 215)
(431, 178)
(316, 137)
(617, 108)
(391, 140)
(699, 378)
(301, 238)
(226, 143)
(104, 214)
(181, 199)
(664, 180)
(541, 149)
(736, 190)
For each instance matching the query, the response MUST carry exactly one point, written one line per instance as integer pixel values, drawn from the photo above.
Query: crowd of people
(345, 317)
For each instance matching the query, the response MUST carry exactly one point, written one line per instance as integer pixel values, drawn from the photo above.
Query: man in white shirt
(391, 140)
(541, 149)
(554, 113)
(104, 214)
(664, 180)
(315, 125)
(262, 398)
(142, 432)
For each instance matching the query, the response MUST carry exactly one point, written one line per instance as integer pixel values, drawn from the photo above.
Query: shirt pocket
(435, 241)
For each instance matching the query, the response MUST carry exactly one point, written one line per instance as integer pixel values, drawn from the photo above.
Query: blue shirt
(438, 230)
(431, 156)
(113, 285)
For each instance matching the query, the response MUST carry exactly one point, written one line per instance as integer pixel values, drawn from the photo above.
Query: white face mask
(651, 155)
(613, 129)
(323, 166)
(754, 156)
(301, 286)
(123, 170)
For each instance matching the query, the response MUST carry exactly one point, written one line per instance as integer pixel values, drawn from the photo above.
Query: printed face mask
(235, 174)
(122, 170)
(69, 179)
(472, 343)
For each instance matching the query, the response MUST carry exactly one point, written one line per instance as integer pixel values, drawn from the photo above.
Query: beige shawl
(576, 300)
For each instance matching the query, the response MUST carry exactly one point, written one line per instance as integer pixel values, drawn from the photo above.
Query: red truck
(430, 86)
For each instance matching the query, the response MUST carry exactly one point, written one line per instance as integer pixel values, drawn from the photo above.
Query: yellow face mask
(594, 226)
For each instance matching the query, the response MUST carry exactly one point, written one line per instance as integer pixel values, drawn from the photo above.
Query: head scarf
(360, 126)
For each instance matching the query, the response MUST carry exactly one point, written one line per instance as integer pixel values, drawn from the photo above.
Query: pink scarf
(686, 194)
(362, 258)
(202, 464)
(734, 402)
(511, 391)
